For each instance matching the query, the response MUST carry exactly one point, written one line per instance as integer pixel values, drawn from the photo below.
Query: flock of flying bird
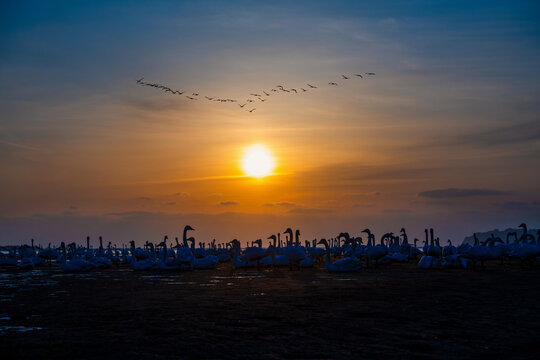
(349, 253)
(253, 97)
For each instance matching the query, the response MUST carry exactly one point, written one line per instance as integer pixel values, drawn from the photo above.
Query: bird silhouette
(193, 96)
(252, 110)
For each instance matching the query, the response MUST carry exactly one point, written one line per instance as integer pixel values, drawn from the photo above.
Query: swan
(148, 263)
(203, 261)
(294, 253)
(237, 262)
(344, 265)
(434, 249)
(449, 249)
(478, 252)
(374, 252)
(74, 265)
(165, 262)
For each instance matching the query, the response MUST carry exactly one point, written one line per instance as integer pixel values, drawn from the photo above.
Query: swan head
(522, 225)
(367, 231)
(188, 228)
(272, 237)
(289, 230)
(402, 231)
(323, 241)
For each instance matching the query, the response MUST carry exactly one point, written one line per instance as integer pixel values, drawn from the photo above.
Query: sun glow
(257, 162)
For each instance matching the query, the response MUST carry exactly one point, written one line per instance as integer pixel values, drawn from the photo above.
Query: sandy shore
(392, 312)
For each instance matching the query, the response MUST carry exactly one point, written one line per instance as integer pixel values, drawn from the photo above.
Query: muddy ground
(394, 312)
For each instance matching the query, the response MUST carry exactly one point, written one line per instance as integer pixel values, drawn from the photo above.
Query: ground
(394, 312)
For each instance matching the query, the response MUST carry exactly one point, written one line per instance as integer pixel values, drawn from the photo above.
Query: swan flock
(342, 253)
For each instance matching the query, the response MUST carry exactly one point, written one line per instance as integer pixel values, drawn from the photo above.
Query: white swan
(74, 265)
(344, 265)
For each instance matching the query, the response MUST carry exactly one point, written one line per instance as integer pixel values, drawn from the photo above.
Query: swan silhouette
(74, 265)
(348, 264)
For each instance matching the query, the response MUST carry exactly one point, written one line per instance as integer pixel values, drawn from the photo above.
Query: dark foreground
(396, 312)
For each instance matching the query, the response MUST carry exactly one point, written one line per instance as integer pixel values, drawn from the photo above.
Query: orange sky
(84, 149)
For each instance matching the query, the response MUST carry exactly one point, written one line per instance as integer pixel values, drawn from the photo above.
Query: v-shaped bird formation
(253, 97)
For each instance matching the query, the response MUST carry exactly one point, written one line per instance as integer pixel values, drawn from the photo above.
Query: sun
(257, 162)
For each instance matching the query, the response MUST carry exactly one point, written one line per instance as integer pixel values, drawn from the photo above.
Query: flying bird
(333, 83)
(294, 91)
(252, 110)
(195, 94)
(304, 90)
(190, 98)
(343, 76)
(370, 73)
(242, 105)
(265, 93)
(261, 99)
(209, 98)
(311, 86)
(140, 80)
(358, 75)
(249, 100)
(254, 94)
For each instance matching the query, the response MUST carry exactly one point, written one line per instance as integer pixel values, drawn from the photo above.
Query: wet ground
(396, 312)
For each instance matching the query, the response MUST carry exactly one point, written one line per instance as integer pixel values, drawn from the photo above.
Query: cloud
(143, 198)
(182, 194)
(282, 203)
(510, 134)
(452, 193)
(228, 203)
(301, 210)
(363, 205)
(129, 213)
(527, 206)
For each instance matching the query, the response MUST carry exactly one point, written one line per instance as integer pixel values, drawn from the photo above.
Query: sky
(445, 135)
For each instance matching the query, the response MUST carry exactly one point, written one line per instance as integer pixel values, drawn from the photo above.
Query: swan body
(206, 263)
(77, 265)
(344, 265)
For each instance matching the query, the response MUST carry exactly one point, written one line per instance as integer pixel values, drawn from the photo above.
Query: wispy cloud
(228, 203)
(19, 146)
(452, 193)
(396, 211)
(527, 206)
(143, 198)
(283, 203)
